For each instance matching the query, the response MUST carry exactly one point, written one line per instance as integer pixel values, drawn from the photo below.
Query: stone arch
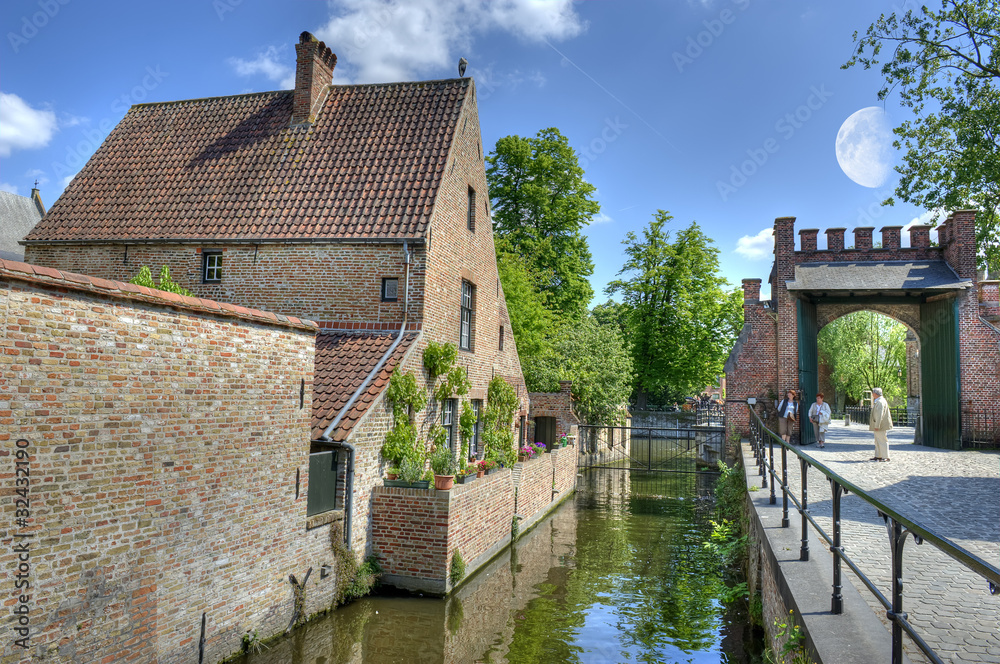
(907, 314)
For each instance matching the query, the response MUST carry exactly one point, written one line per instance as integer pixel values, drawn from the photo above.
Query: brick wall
(338, 282)
(415, 532)
(164, 445)
(554, 404)
(751, 370)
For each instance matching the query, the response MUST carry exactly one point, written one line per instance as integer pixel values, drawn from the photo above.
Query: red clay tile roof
(233, 168)
(48, 276)
(343, 361)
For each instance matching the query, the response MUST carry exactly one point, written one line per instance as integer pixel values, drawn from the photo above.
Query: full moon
(864, 147)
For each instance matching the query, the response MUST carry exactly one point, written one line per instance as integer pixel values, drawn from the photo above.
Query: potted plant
(540, 448)
(443, 466)
(411, 473)
(480, 468)
(470, 473)
(392, 472)
(526, 452)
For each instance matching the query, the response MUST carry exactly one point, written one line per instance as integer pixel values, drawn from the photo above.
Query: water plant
(457, 570)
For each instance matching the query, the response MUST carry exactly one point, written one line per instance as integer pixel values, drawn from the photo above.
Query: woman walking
(788, 411)
(820, 416)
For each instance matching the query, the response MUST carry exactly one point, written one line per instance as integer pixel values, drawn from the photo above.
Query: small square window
(211, 267)
(390, 289)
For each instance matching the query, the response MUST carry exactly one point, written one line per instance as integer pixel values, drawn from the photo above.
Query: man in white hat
(881, 424)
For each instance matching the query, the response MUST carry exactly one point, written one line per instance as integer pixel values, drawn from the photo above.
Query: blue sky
(724, 112)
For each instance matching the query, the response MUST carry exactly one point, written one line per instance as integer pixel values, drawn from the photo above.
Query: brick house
(362, 207)
(950, 312)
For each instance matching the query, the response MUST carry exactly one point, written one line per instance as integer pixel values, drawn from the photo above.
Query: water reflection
(618, 574)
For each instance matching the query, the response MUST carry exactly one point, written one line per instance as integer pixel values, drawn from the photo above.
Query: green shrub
(498, 422)
(456, 381)
(442, 462)
(145, 278)
(404, 392)
(457, 572)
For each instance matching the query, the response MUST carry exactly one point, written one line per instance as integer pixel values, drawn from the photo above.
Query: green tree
(595, 359)
(530, 320)
(945, 65)
(681, 319)
(541, 201)
(865, 350)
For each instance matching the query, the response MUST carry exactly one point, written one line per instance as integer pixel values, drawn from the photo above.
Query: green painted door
(808, 366)
(939, 368)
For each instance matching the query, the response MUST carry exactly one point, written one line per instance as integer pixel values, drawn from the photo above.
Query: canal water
(618, 573)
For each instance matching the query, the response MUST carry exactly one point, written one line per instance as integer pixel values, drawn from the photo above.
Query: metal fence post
(784, 487)
(803, 470)
(770, 446)
(837, 601)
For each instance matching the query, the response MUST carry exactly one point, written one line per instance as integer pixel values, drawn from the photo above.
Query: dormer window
(390, 289)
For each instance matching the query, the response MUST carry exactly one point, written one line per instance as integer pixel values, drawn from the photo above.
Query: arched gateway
(934, 290)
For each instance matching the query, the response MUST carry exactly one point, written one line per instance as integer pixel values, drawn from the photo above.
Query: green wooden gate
(940, 388)
(808, 363)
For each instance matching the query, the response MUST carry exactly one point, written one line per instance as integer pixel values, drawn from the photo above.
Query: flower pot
(480, 473)
(397, 483)
(419, 484)
(444, 482)
(392, 476)
(521, 458)
(466, 479)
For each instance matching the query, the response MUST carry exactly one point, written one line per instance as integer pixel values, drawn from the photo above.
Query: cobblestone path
(954, 493)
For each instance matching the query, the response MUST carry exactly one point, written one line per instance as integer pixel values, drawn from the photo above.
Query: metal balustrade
(898, 527)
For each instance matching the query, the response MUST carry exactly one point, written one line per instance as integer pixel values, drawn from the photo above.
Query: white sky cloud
(756, 247)
(601, 219)
(275, 64)
(383, 40)
(23, 127)
(8, 187)
(929, 217)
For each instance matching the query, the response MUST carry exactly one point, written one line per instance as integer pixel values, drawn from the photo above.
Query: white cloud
(37, 174)
(273, 63)
(756, 247)
(601, 219)
(383, 40)
(8, 187)
(23, 127)
(932, 217)
(69, 178)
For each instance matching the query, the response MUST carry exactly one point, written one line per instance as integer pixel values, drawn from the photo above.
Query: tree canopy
(594, 357)
(865, 350)
(945, 66)
(541, 201)
(680, 317)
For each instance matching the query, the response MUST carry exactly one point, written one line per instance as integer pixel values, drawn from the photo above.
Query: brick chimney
(313, 76)
(891, 237)
(863, 237)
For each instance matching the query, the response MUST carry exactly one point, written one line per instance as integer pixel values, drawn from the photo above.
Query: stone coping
(50, 277)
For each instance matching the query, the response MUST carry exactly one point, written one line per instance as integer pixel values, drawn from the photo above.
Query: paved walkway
(954, 493)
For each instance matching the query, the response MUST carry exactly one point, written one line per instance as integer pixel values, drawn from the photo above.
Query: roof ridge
(275, 92)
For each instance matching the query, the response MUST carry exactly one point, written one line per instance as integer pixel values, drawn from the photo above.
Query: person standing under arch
(820, 416)
(788, 411)
(881, 424)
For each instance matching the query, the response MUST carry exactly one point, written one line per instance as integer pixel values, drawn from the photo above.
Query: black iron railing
(981, 429)
(898, 526)
(901, 417)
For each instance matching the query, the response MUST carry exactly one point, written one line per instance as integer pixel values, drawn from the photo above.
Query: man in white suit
(881, 424)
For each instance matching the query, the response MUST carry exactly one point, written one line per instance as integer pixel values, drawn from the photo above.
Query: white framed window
(211, 267)
(448, 421)
(477, 407)
(465, 330)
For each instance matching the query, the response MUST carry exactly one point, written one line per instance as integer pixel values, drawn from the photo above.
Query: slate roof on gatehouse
(343, 361)
(877, 277)
(234, 168)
